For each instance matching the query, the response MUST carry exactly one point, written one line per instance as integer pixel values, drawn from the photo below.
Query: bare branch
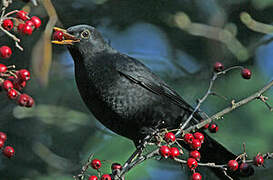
(215, 76)
(231, 108)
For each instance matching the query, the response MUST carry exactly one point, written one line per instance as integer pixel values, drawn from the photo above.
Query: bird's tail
(213, 152)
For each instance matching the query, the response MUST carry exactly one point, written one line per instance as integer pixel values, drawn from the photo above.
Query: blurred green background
(53, 139)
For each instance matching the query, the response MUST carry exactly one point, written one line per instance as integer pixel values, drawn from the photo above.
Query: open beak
(67, 39)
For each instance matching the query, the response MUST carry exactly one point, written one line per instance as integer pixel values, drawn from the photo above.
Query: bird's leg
(138, 151)
(143, 143)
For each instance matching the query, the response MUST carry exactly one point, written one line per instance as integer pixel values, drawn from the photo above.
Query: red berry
(24, 74)
(29, 23)
(19, 84)
(213, 128)
(169, 137)
(246, 73)
(233, 165)
(188, 138)
(12, 94)
(58, 35)
(8, 151)
(116, 166)
(195, 154)
(5, 52)
(196, 144)
(174, 152)
(218, 67)
(11, 78)
(7, 24)
(7, 84)
(30, 102)
(2, 142)
(27, 30)
(22, 15)
(96, 163)
(3, 68)
(258, 160)
(93, 178)
(206, 126)
(192, 163)
(199, 136)
(196, 176)
(245, 168)
(36, 21)
(23, 100)
(165, 151)
(106, 177)
(20, 28)
(3, 136)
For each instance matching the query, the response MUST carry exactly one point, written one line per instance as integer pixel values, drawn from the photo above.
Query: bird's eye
(85, 34)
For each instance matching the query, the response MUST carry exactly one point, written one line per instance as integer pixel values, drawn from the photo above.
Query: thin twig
(264, 100)
(17, 40)
(10, 13)
(200, 101)
(231, 108)
(202, 164)
(142, 158)
(227, 175)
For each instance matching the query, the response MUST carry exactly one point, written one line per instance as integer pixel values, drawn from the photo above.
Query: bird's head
(82, 39)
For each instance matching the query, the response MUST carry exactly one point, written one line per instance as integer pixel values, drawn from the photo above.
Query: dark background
(53, 139)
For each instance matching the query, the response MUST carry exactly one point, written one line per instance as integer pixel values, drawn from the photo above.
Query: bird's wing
(138, 73)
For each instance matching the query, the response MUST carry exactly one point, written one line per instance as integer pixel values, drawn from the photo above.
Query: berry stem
(10, 13)
(13, 37)
(203, 164)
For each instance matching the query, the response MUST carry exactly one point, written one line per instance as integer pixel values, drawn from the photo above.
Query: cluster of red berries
(24, 24)
(167, 151)
(8, 151)
(194, 141)
(245, 73)
(233, 165)
(12, 82)
(212, 127)
(96, 164)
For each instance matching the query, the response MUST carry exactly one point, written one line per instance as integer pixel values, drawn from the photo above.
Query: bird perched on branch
(126, 96)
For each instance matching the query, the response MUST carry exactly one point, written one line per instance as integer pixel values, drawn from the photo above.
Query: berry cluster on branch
(12, 80)
(166, 143)
(7, 151)
(96, 165)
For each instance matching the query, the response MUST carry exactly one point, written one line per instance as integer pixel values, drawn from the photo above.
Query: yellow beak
(68, 38)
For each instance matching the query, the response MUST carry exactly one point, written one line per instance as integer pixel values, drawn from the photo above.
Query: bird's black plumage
(125, 96)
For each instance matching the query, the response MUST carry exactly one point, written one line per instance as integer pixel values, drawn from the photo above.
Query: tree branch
(244, 101)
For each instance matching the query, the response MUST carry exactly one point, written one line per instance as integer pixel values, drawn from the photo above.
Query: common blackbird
(126, 96)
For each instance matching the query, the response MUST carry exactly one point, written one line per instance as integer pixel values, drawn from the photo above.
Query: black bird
(125, 95)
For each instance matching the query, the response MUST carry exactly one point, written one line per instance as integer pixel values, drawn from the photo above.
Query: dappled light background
(179, 40)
